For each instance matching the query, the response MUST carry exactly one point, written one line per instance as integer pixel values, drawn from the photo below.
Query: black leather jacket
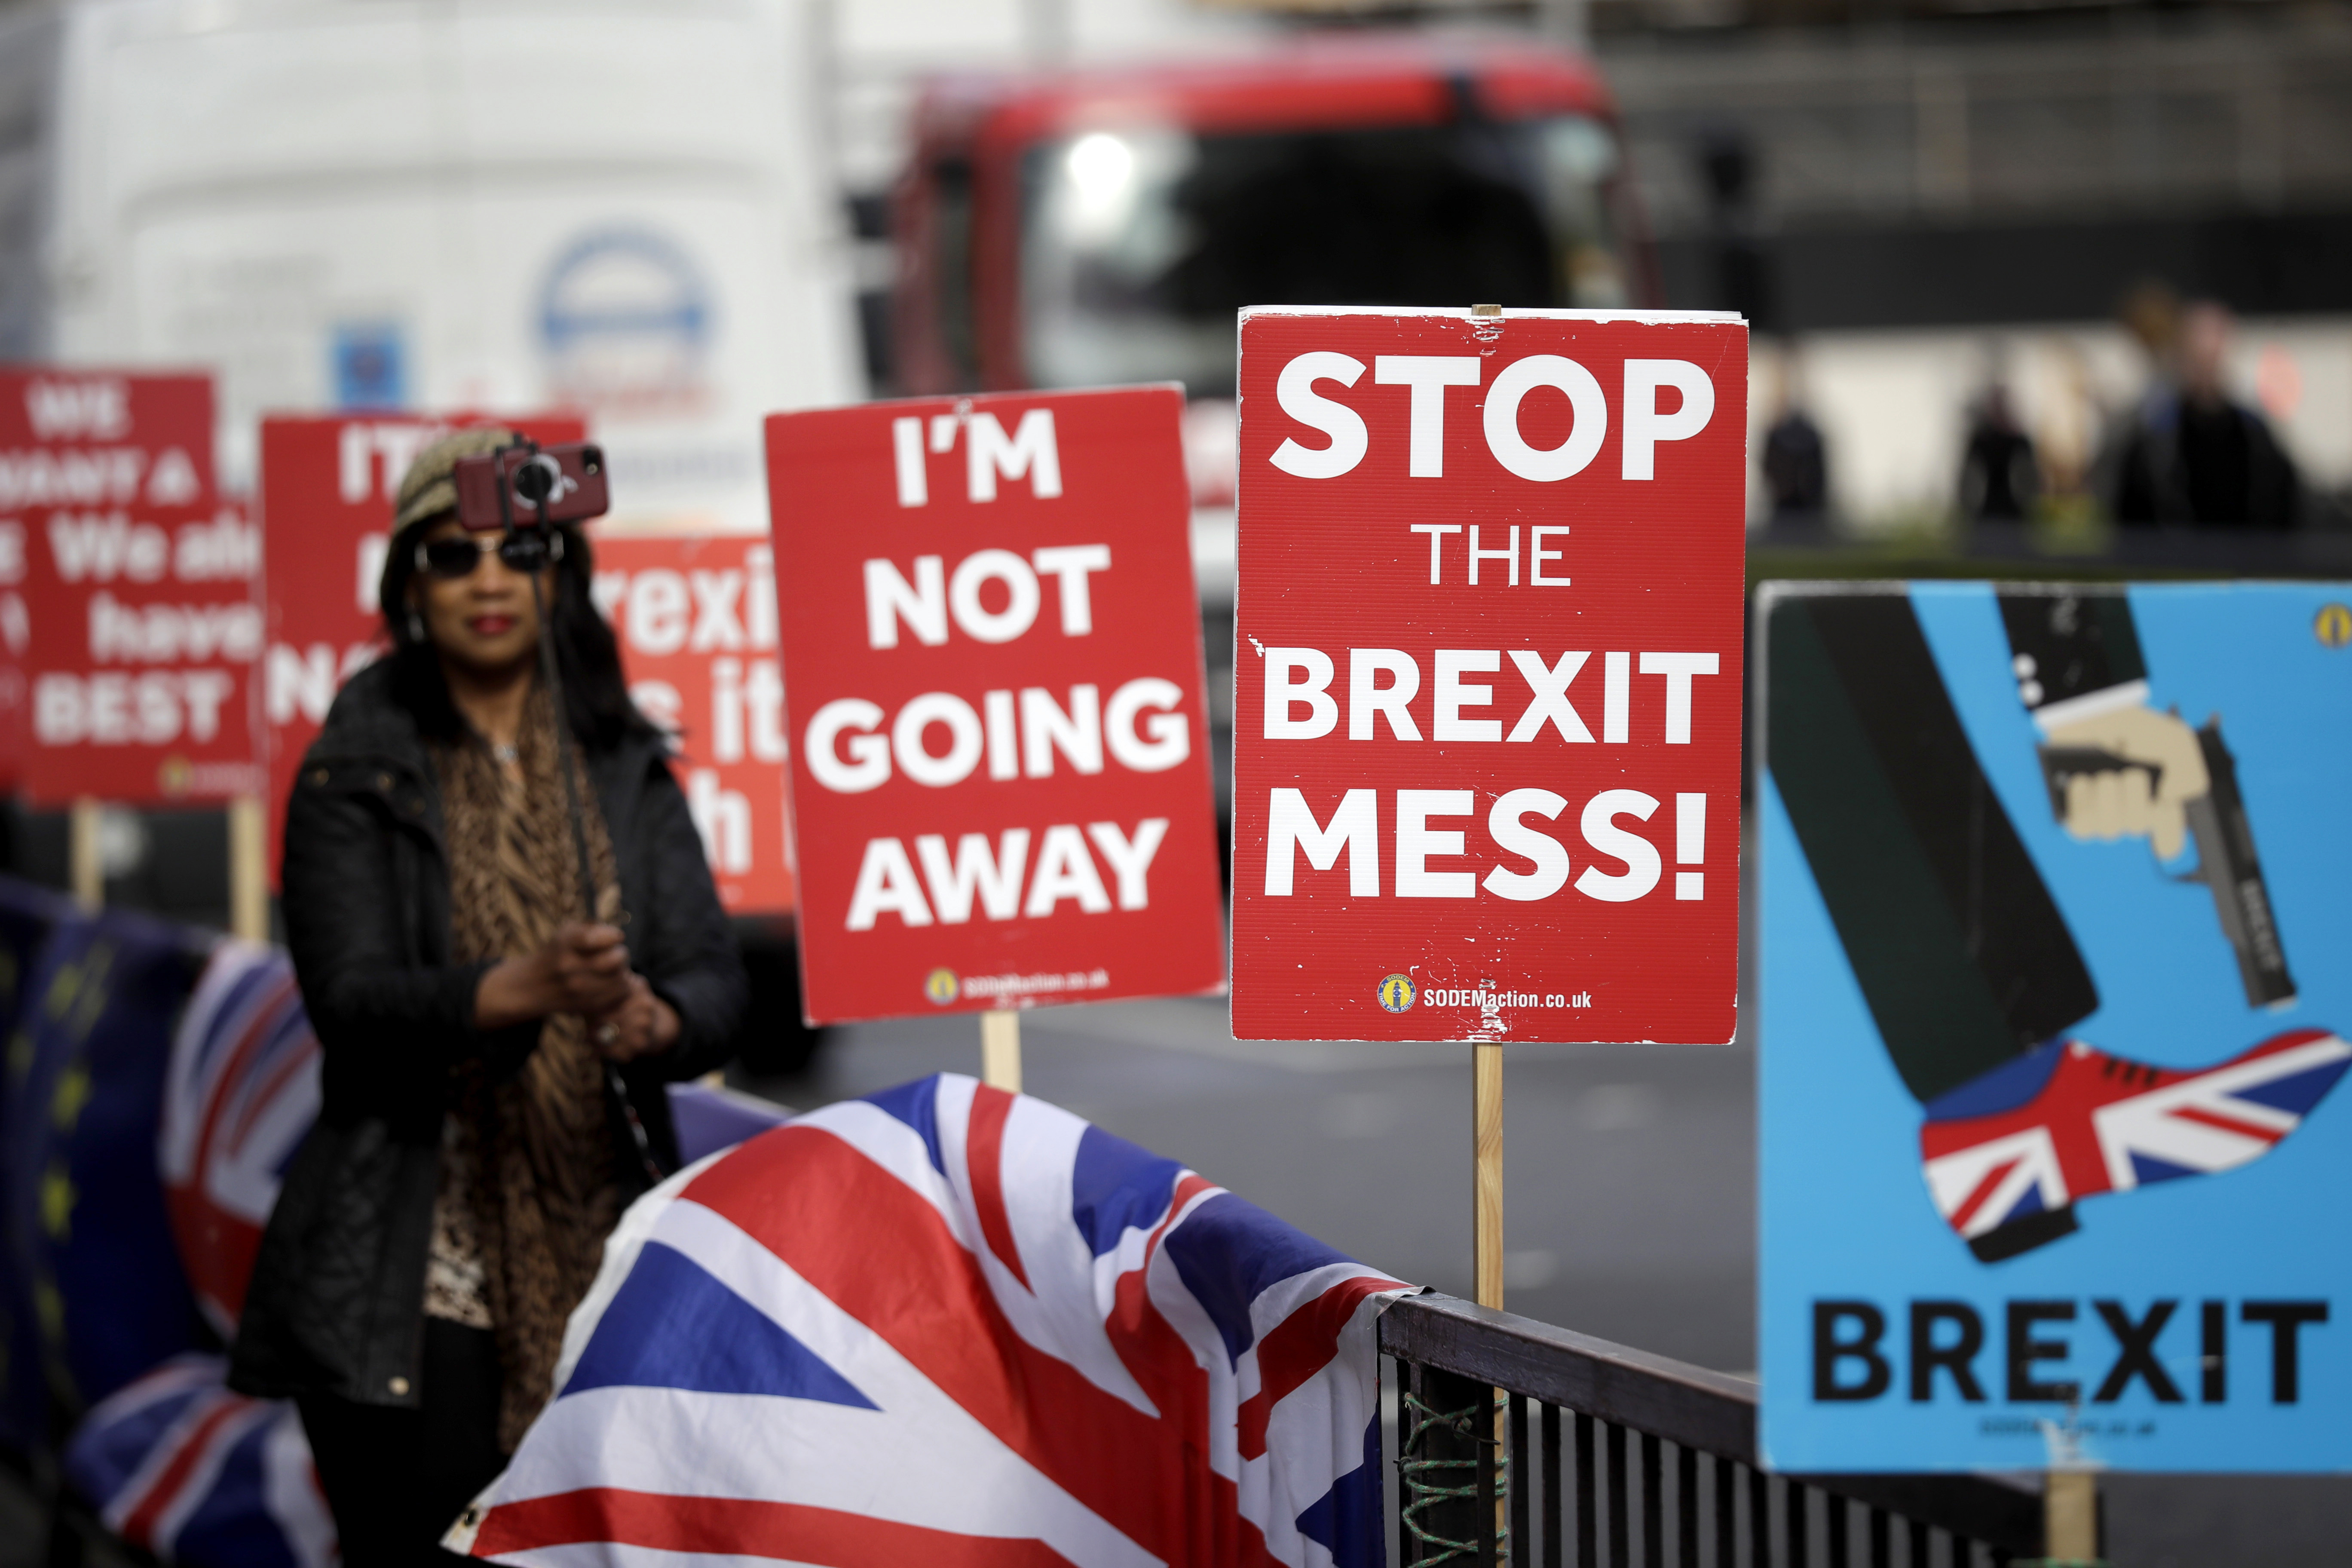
(336, 1302)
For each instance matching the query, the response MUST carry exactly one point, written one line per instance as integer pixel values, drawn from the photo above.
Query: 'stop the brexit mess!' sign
(992, 663)
(1487, 676)
(143, 629)
(2053, 1139)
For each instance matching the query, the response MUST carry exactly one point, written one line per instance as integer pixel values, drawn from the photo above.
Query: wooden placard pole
(249, 870)
(2070, 1516)
(1486, 1216)
(1487, 1170)
(85, 862)
(1000, 1051)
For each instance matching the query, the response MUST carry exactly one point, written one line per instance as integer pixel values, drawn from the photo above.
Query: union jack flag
(240, 1093)
(177, 1465)
(2067, 1122)
(946, 1324)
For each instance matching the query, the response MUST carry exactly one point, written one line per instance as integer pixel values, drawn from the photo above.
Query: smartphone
(522, 484)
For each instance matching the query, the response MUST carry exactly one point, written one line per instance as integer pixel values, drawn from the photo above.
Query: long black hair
(587, 658)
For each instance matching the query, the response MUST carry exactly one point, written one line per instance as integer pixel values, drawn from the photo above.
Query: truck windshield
(1139, 244)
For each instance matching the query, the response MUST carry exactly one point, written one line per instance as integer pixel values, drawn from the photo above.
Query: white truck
(618, 207)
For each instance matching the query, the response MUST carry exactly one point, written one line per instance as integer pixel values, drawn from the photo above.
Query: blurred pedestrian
(1796, 458)
(2191, 454)
(1796, 469)
(2000, 476)
(495, 1060)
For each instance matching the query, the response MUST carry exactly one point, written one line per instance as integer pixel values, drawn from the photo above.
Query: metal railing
(1590, 1453)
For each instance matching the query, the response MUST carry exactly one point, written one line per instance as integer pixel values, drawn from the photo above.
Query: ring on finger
(607, 1033)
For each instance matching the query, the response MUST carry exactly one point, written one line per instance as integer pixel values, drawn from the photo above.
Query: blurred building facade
(1897, 193)
(341, 205)
(1898, 190)
(1936, 184)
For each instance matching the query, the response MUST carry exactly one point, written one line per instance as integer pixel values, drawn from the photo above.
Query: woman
(493, 1059)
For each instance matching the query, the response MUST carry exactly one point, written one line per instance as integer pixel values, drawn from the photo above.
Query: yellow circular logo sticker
(940, 985)
(2333, 625)
(1396, 993)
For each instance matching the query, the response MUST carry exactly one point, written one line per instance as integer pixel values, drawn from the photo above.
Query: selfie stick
(564, 765)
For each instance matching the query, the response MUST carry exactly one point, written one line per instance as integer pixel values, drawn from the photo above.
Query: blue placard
(87, 1254)
(2054, 1150)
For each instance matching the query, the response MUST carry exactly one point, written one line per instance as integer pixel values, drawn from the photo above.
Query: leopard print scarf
(546, 1184)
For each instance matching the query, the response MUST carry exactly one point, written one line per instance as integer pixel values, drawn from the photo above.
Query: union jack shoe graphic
(2009, 1154)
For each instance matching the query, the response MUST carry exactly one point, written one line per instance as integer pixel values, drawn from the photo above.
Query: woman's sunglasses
(452, 560)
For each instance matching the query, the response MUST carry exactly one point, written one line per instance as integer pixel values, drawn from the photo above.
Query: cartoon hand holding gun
(2132, 771)
(2117, 767)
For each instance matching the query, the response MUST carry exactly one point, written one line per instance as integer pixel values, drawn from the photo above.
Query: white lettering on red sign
(1429, 375)
(125, 560)
(1029, 452)
(696, 624)
(1489, 608)
(992, 663)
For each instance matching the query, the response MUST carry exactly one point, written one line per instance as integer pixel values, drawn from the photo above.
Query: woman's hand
(584, 969)
(638, 1027)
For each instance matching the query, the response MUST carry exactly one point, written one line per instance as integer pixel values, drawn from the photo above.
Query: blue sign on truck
(2056, 895)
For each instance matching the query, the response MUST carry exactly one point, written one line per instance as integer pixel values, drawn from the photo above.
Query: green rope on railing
(1424, 1490)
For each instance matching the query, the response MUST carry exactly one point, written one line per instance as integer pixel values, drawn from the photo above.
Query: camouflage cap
(429, 487)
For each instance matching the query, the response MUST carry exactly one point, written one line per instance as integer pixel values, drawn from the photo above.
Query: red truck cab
(1099, 226)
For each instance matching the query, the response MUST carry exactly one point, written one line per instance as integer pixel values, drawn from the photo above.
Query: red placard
(992, 668)
(327, 486)
(137, 654)
(696, 620)
(1487, 676)
(15, 643)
